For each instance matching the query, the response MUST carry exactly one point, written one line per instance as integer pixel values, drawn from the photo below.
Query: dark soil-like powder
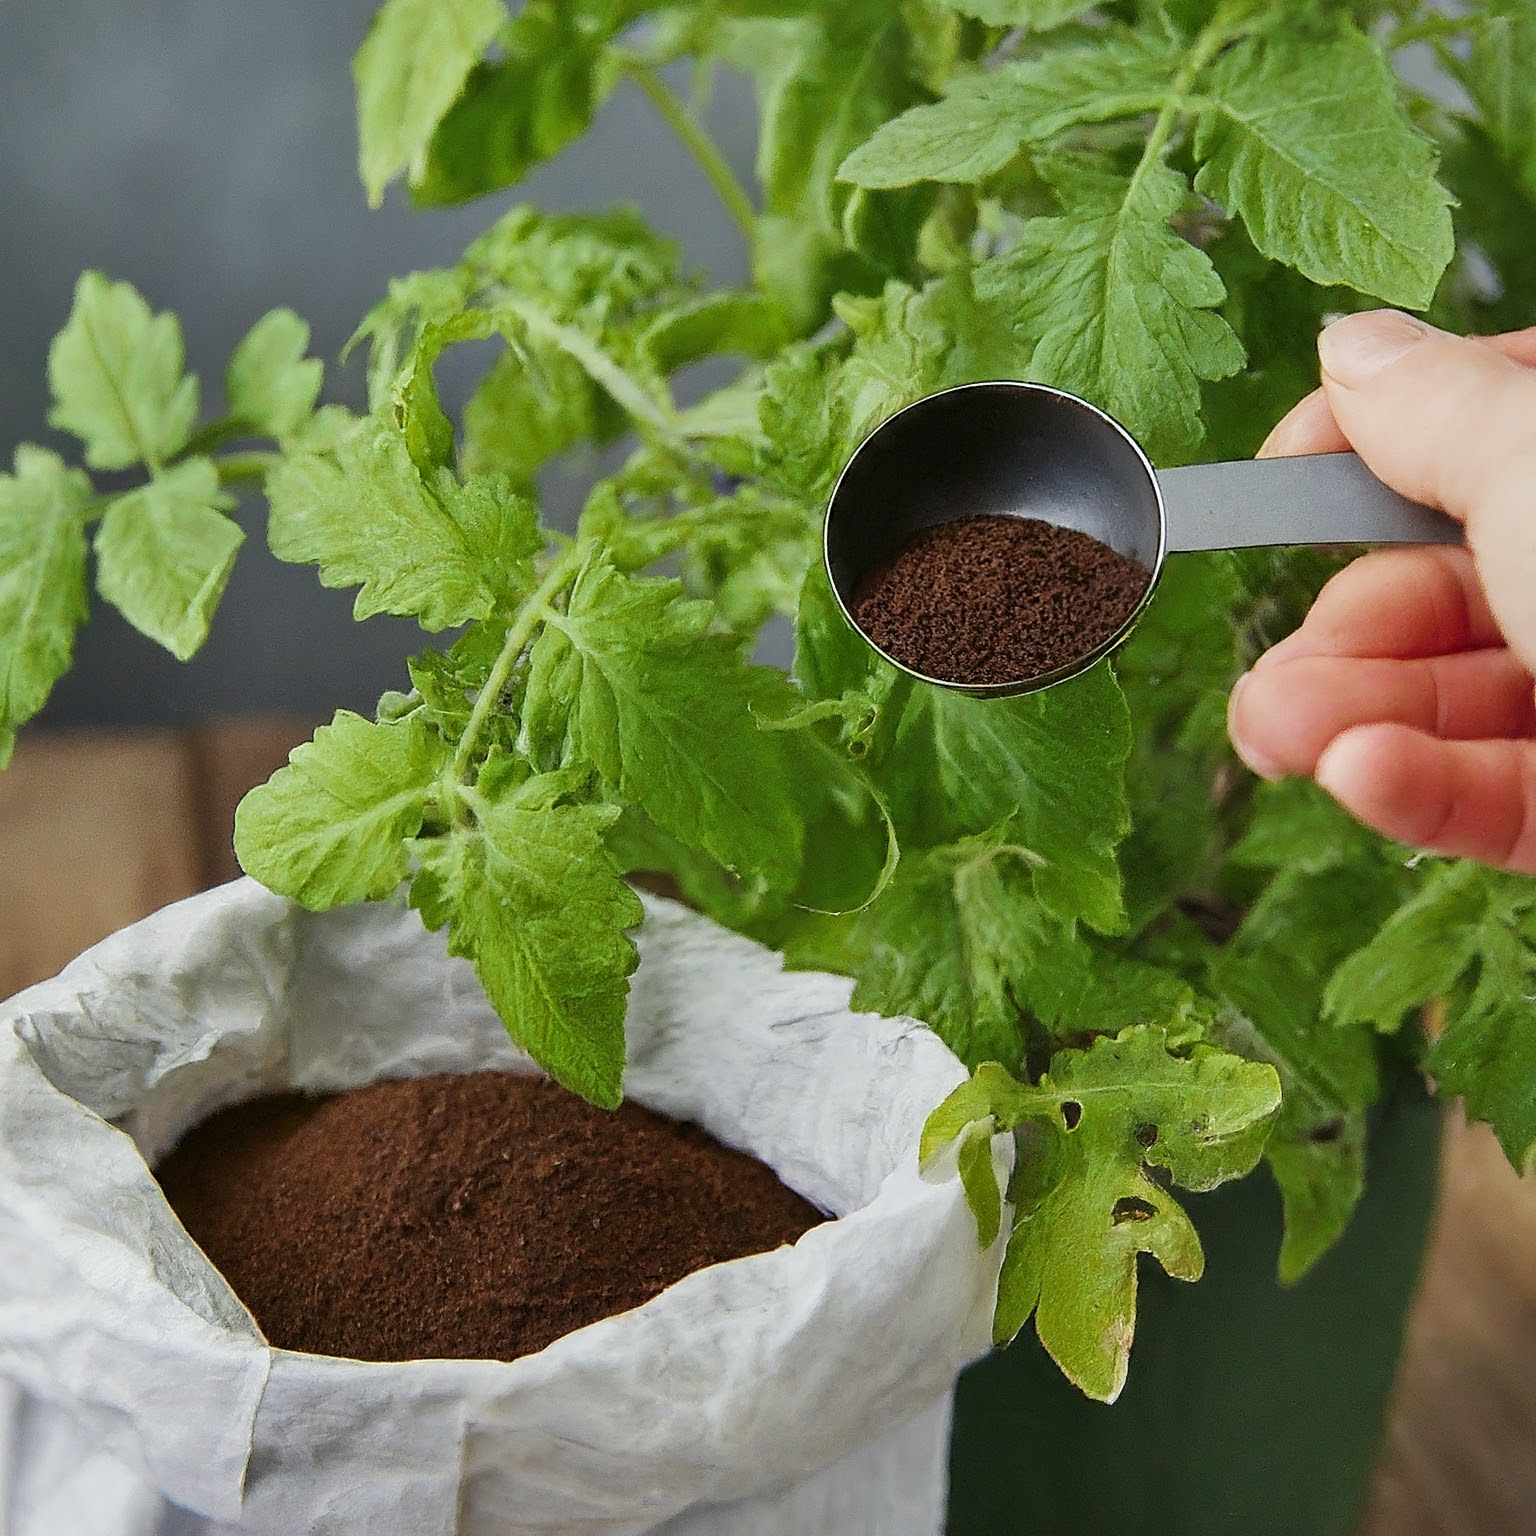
(478, 1216)
(998, 599)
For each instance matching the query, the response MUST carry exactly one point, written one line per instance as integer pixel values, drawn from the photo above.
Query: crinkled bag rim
(545, 1426)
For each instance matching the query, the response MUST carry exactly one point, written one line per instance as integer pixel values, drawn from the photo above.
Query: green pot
(1251, 1409)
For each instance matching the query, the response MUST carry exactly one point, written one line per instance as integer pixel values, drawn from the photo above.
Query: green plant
(1161, 971)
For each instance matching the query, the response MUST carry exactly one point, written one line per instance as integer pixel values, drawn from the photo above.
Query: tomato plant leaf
(117, 371)
(959, 941)
(43, 506)
(632, 679)
(1305, 138)
(270, 386)
(1037, 15)
(332, 826)
(1050, 762)
(1122, 309)
(552, 73)
(1095, 1128)
(432, 547)
(531, 896)
(1466, 939)
(164, 554)
(409, 72)
(987, 118)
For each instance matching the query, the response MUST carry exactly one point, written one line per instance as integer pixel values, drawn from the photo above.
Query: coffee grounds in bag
(475, 1216)
(997, 599)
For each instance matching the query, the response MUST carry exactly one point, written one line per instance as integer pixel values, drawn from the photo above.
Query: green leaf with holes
(1103, 1134)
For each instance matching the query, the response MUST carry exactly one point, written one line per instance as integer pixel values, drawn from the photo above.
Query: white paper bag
(805, 1390)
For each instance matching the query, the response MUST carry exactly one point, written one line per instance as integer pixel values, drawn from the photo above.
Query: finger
(1451, 423)
(1518, 346)
(1308, 428)
(1282, 718)
(1467, 799)
(1397, 602)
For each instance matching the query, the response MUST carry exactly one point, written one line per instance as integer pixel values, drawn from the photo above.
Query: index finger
(1398, 603)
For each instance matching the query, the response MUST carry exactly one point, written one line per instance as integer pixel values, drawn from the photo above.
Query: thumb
(1451, 424)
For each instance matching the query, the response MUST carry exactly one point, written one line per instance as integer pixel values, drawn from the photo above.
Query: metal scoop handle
(1321, 499)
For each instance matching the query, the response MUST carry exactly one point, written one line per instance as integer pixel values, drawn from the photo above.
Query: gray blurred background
(205, 151)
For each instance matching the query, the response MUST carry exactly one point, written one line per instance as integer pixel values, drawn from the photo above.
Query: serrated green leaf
(117, 373)
(987, 118)
(535, 403)
(910, 342)
(1121, 309)
(441, 551)
(332, 826)
(806, 430)
(1113, 1112)
(409, 72)
(1051, 762)
(1488, 1056)
(551, 75)
(164, 553)
(531, 896)
(417, 411)
(1298, 827)
(42, 582)
(959, 941)
(1306, 140)
(632, 679)
(1121, 990)
(710, 324)
(594, 315)
(1496, 74)
(971, 1115)
(448, 681)
(270, 386)
(1273, 974)
(749, 554)
(1467, 938)
(1035, 15)
(831, 660)
(1418, 954)
(825, 80)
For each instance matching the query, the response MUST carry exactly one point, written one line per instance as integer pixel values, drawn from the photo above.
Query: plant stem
(238, 468)
(1428, 29)
(233, 468)
(518, 636)
(214, 435)
(1209, 43)
(701, 146)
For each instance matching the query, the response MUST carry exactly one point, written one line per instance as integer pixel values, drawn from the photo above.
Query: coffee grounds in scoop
(995, 599)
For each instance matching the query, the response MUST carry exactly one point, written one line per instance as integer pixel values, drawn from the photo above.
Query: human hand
(1409, 692)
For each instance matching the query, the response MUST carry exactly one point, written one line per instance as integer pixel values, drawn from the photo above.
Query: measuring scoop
(1026, 450)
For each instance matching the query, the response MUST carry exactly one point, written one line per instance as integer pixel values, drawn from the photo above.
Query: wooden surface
(99, 828)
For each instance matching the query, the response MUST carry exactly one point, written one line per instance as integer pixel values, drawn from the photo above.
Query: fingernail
(1356, 348)
(1255, 760)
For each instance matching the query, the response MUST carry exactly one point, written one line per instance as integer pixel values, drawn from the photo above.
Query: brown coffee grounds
(477, 1216)
(998, 599)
